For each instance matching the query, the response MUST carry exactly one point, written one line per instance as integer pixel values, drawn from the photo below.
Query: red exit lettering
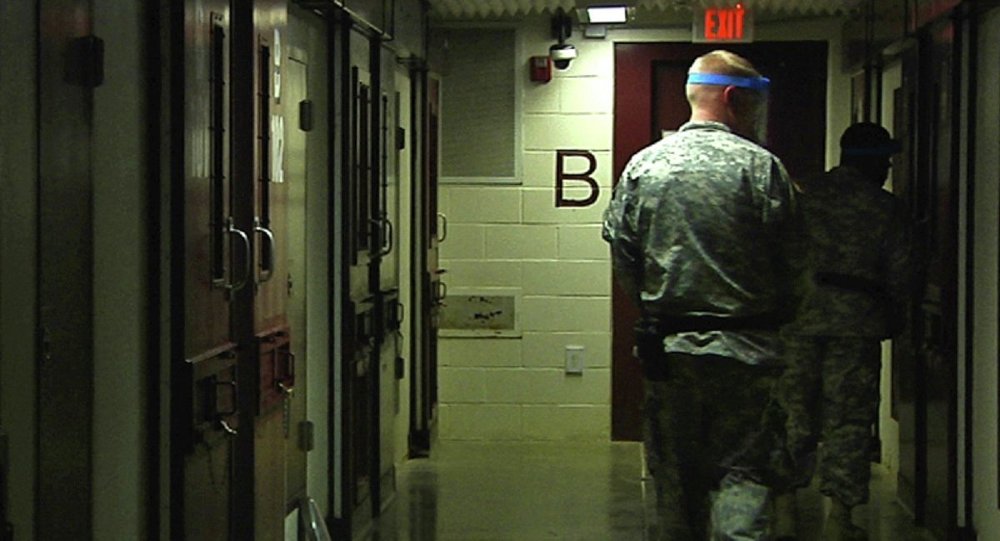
(723, 24)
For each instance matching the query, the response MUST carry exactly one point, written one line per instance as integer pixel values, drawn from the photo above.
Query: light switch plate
(575, 359)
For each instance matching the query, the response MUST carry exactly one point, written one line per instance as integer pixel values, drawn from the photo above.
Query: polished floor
(493, 491)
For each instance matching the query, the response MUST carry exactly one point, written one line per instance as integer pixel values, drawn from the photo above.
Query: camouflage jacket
(696, 228)
(853, 228)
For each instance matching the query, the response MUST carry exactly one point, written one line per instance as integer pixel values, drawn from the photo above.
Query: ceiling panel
(489, 9)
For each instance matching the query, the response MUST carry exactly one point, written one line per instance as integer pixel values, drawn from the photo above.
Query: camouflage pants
(829, 393)
(696, 416)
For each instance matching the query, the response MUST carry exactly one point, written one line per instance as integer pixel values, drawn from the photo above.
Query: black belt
(851, 283)
(667, 325)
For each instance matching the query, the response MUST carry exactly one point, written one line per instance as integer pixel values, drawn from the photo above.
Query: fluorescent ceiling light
(607, 14)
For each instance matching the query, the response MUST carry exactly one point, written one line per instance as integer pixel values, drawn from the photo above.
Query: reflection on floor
(581, 491)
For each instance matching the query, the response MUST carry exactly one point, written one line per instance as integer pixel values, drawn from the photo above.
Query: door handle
(384, 227)
(389, 234)
(220, 416)
(443, 230)
(361, 366)
(236, 399)
(226, 428)
(231, 229)
(283, 384)
(440, 292)
(268, 271)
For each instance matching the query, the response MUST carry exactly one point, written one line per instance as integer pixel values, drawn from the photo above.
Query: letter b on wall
(562, 157)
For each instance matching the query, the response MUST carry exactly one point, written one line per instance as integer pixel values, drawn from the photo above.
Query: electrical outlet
(574, 359)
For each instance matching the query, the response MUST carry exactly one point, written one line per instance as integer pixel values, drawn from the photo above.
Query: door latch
(45, 344)
(6, 528)
(85, 62)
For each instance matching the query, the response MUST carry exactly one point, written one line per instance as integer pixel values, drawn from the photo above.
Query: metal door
(389, 310)
(232, 379)
(215, 267)
(67, 58)
(431, 228)
(361, 351)
(649, 93)
(925, 358)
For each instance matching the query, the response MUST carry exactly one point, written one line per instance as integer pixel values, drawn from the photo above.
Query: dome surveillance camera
(562, 54)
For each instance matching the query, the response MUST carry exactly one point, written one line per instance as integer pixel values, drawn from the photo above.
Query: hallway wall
(986, 517)
(892, 78)
(514, 239)
(18, 235)
(120, 275)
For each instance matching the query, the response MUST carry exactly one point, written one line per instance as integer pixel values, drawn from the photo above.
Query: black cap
(868, 139)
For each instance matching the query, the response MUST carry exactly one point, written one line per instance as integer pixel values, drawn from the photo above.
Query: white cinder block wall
(514, 237)
(984, 418)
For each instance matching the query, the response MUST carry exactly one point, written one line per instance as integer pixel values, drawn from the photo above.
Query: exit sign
(723, 24)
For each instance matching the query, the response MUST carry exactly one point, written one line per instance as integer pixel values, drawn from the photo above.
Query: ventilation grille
(478, 110)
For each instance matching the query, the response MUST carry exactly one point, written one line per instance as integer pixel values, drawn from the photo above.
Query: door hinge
(307, 436)
(306, 115)
(85, 62)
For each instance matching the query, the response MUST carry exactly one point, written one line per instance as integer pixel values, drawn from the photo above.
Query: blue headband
(753, 83)
(887, 150)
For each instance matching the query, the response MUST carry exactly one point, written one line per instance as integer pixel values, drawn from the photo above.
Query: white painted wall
(120, 235)
(514, 237)
(986, 516)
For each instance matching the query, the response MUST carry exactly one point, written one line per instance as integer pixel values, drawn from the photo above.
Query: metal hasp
(85, 62)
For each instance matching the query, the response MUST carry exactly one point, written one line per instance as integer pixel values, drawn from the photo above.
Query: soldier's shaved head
(724, 63)
(736, 107)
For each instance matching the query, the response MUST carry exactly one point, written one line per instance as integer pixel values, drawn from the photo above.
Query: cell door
(431, 229)
(275, 364)
(361, 349)
(215, 268)
(389, 310)
(650, 102)
(65, 368)
(925, 358)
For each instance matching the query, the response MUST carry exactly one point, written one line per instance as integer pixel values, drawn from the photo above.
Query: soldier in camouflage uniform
(695, 229)
(855, 270)
(858, 258)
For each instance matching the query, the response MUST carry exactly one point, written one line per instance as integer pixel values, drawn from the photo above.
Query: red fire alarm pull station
(541, 69)
(723, 24)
